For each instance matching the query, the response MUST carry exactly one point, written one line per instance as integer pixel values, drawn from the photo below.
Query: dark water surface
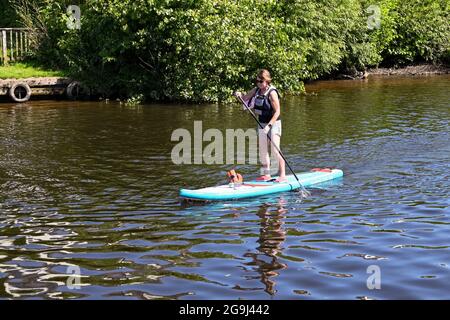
(91, 186)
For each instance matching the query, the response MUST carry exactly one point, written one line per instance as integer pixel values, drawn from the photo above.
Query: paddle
(303, 192)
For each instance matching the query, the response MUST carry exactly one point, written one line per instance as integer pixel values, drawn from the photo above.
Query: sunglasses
(259, 81)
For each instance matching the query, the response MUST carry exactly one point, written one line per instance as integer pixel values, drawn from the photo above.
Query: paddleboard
(258, 188)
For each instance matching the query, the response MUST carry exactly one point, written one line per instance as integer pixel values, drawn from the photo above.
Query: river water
(89, 188)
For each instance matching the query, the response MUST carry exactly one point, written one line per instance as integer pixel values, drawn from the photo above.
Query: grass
(26, 70)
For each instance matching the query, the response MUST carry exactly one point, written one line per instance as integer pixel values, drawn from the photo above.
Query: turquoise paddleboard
(258, 188)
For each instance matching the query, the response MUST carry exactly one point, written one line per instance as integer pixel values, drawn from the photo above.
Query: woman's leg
(281, 165)
(264, 156)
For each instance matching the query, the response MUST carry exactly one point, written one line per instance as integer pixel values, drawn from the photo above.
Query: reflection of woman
(265, 101)
(272, 236)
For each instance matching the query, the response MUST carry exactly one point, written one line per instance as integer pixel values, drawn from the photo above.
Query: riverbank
(20, 81)
(41, 77)
(21, 90)
(412, 70)
(422, 69)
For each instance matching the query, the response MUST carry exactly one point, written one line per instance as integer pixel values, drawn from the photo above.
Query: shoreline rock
(415, 70)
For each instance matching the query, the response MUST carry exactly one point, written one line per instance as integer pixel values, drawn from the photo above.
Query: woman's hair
(265, 75)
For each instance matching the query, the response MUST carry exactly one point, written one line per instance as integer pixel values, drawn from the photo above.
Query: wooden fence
(14, 44)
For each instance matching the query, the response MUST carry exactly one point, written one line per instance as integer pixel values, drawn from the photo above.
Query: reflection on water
(271, 238)
(90, 187)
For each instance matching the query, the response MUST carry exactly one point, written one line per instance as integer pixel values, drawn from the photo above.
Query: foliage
(202, 50)
(422, 32)
(8, 16)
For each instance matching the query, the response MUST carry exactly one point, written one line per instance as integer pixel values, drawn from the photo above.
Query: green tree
(202, 50)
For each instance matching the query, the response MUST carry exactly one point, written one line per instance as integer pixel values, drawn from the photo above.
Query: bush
(181, 50)
(8, 17)
(413, 31)
(202, 50)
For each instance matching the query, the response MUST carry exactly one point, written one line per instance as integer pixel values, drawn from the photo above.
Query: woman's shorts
(276, 128)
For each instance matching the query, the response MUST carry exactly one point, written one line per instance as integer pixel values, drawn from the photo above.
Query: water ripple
(89, 209)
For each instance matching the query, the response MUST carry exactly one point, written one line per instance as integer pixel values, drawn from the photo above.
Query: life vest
(263, 105)
(234, 177)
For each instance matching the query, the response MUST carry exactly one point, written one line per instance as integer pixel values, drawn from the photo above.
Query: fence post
(16, 36)
(11, 52)
(4, 48)
(21, 42)
(25, 35)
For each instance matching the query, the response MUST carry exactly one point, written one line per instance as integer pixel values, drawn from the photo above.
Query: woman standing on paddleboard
(264, 99)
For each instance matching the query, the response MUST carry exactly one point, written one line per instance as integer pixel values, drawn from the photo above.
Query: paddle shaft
(270, 139)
